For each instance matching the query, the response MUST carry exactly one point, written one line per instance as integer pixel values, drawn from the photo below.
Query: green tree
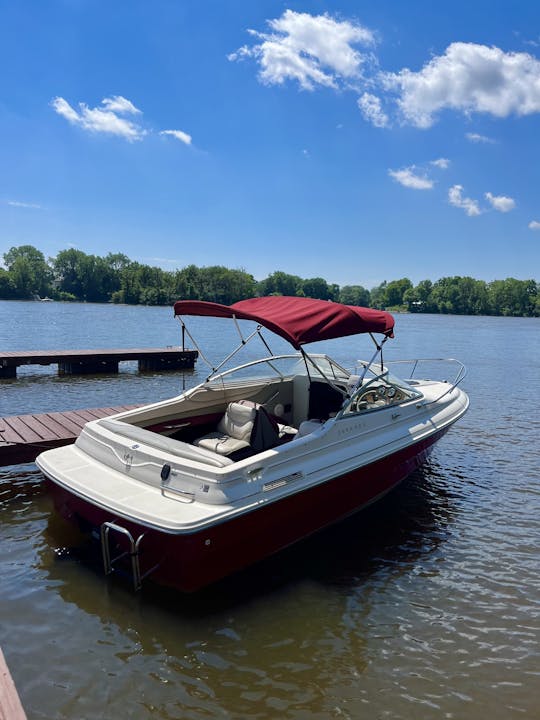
(68, 270)
(188, 283)
(242, 285)
(394, 292)
(354, 295)
(87, 277)
(378, 295)
(117, 261)
(29, 272)
(445, 295)
(474, 298)
(130, 286)
(114, 265)
(316, 288)
(75, 275)
(281, 283)
(513, 297)
(460, 295)
(7, 287)
(334, 290)
(418, 298)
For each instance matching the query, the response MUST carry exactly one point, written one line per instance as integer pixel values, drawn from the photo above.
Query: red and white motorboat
(254, 458)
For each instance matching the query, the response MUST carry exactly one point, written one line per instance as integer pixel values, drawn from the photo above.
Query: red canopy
(298, 320)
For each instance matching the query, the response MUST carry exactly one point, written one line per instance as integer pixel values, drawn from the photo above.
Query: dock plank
(10, 704)
(34, 423)
(20, 430)
(87, 415)
(56, 422)
(8, 434)
(23, 437)
(70, 422)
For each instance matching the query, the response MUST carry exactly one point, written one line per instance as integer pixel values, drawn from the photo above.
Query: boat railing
(419, 363)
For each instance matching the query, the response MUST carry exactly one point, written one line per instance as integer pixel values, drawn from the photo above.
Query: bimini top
(299, 320)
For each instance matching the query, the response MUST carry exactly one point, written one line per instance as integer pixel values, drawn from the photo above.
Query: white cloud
(104, 119)
(500, 202)
(534, 225)
(476, 138)
(441, 163)
(179, 135)
(455, 197)
(120, 105)
(325, 51)
(63, 108)
(28, 205)
(411, 177)
(370, 107)
(534, 43)
(311, 49)
(468, 78)
(408, 178)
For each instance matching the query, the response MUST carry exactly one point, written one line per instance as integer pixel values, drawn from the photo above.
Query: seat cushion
(238, 421)
(219, 443)
(233, 432)
(307, 427)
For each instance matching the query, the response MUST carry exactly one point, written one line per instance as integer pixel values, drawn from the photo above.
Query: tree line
(76, 276)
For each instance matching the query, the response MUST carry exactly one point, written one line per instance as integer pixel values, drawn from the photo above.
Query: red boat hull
(191, 561)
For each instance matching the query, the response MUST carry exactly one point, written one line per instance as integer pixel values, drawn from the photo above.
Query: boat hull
(192, 560)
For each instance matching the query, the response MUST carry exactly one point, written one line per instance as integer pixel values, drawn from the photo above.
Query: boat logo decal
(348, 429)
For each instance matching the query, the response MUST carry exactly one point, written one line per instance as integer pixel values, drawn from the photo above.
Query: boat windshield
(377, 392)
(286, 366)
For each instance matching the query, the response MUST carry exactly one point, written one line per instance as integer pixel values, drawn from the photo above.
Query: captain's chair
(233, 432)
(246, 428)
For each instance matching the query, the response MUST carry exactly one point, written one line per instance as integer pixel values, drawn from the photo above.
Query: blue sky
(352, 141)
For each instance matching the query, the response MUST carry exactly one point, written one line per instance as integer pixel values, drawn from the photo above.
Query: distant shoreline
(75, 276)
(141, 305)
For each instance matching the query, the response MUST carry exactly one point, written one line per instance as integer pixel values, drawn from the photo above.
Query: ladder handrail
(134, 546)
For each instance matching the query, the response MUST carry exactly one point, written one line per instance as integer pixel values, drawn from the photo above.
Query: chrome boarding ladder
(133, 553)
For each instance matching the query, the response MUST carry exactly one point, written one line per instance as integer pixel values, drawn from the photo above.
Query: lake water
(426, 605)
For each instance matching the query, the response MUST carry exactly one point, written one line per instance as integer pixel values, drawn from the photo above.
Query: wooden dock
(23, 437)
(10, 705)
(90, 362)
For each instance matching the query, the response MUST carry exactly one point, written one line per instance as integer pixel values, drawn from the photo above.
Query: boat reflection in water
(193, 489)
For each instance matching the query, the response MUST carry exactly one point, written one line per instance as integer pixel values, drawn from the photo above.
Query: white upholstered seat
(233, 432)
(307, 427)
